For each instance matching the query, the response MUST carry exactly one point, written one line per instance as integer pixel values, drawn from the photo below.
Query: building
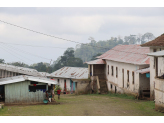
(24, 89)
(10, 71)
(158, 79)
(119, 67)
(65, 75)
(154, 45)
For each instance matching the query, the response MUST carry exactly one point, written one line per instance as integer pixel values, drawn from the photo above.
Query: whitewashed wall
(118, 81)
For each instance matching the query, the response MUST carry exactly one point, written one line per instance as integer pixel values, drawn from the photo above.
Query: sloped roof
(71, 72)
(159, 41)
(134, 54)
(22, 70)
(44, 73)
(142, 71)
(157, 54)
(97, 61)
(21, 78)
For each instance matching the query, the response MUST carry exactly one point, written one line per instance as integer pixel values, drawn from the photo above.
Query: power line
(27, 52)
(14, 55)
(17, 53)
(49, 35)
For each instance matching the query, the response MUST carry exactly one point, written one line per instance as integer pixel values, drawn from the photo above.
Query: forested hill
(86, 52)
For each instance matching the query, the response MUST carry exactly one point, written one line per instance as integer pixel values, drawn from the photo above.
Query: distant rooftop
(71, 72)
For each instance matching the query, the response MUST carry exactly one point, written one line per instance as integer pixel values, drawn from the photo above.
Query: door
(65, 85)
(123, 78)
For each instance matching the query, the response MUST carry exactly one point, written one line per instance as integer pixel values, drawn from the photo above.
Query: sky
(72, 23)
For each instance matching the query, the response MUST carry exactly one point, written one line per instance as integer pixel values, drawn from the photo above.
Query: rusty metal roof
(44, 74)
(21, 78)
(142, 71)
(22, 70)
(71, 72)
(159, 41)
(97, 61)
(134, 54)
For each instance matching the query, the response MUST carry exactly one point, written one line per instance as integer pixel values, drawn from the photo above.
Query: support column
(89, 71)
(92, 69)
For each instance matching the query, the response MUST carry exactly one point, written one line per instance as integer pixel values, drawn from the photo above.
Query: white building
(65, 75)
(158, 79)
(154, 45)
(122, 65)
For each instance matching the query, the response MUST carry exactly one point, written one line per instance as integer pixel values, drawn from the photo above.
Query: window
(112, 70)
(154, 50)
(111, 86)
(128, 75)
(123, 78)
(58, 81)
(133, 77)
(160, 49)
(108, 69)
(116, 72)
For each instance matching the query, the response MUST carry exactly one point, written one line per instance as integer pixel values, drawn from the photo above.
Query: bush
(56, 88)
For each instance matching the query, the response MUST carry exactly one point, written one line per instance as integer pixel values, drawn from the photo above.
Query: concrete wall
(83, 87)
(19, 93)
(127, 87)
(159, 94)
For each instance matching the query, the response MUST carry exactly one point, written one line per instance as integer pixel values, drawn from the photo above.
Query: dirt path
(87, 105)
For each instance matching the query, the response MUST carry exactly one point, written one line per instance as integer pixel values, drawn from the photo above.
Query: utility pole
(48, 68)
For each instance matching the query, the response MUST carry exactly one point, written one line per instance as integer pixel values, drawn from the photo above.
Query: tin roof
(134, 54)
(142, 71)
(44, 74)
(159, 41)
(22, 70)
(71, 72)
(157, 54)
(97, 61)
(21, 78)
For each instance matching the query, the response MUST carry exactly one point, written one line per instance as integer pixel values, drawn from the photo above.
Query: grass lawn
(87, 105)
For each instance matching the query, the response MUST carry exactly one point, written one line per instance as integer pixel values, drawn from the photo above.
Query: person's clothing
(58, 96)
(58, 91)
(52, 91)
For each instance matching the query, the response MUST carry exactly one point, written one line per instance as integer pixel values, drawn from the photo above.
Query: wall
(118, 81)
(99, 70)
(159, 94)
(5, 74)
(61, 83)
(19, 93)
(83, 86)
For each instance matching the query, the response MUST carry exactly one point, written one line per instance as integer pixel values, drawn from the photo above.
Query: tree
(148, 37)
(20, 64)
(94, 57)
(2, 61)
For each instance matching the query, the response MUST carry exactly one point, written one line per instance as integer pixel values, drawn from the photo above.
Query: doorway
(65, 86)
(2, 93)
(123, 78)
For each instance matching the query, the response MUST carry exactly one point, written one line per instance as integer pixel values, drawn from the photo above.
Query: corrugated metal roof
(24, 77)
(142, 71)
(157, 54)
(134, 54)
(97, 61)
(22, 70)
(159, 41)
(44, 74)
(71, 72)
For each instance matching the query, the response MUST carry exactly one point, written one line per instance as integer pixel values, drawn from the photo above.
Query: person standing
(58, 92)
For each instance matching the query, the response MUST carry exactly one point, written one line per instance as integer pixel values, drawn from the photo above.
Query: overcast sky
(77, 24)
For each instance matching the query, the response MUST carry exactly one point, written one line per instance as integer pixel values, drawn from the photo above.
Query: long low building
(11, 70)
(25, 89)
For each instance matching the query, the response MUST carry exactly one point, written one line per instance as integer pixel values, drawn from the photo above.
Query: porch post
(92, 69)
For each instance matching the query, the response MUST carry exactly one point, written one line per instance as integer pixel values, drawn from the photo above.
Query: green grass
(84, 105)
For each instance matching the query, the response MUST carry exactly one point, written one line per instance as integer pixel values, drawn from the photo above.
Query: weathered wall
(19, 93)
(83, 87)
(120, 81)
(159, 94)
